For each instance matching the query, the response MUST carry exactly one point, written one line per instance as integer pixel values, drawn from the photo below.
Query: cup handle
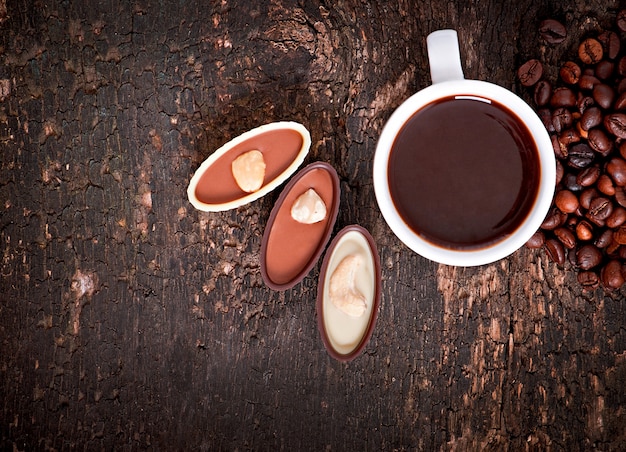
(444, 56)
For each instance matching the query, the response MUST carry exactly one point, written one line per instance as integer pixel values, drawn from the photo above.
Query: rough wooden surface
(129, 320)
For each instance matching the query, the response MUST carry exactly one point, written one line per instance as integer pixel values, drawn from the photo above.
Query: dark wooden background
(129, 320)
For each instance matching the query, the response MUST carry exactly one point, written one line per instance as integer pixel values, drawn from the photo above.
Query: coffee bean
(555, 251)
(571, 256)
(582, 132)
(579, 96)
(530, 72)
(588, 176)
(610, 43)
(572, 220)
(560, 171)
(615, 123)
(620, 102)
(621, 66)
(553, 220)
(552, 31)
(591, 118)
(599, 141)
(563, 97)
(616, 168)
(619, 236)
(568, 137)
(584, 231)
(604, 95)
(587, 126)
(621, 20)
(617, 218)
(570, 181)
(612, 248)
(622, 149)
(604, 239)
(561, 119)
(599, 210)
(588, 256)
(590, 51)
(589, 280)
(611, 275)
(570, 73)
(588, 81)
(620, 196)
(536, 240)
(546, 118)
(560, 149)
(580, 156)
(566, 201)
(587, 196)
(605, 185)
(604, 69)
(566, 237)
(543, 93)
(584, 102)
(596, 221)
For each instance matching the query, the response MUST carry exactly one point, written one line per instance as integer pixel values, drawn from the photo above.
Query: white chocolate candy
(249, 170)
(342, 289)
(308, 208)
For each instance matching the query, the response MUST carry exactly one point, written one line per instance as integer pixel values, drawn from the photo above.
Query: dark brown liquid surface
(463, 173)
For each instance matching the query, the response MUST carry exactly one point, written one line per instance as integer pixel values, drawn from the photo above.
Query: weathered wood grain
(129, 320)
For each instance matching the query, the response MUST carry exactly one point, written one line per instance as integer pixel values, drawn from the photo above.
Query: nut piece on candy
(308, 208)
(249, 170)
(342, 290)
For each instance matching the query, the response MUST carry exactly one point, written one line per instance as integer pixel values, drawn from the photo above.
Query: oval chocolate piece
(290, 248)
(348, 293)
(283, 146)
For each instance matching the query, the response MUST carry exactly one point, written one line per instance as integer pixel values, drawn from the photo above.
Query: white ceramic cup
(447, 80)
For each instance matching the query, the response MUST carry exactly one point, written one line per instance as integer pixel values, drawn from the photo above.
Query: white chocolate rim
(547, 164)
(322, 303)
(267, 187)
(344, 331)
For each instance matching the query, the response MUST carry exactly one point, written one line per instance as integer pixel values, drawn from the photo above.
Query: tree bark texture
(130, 321)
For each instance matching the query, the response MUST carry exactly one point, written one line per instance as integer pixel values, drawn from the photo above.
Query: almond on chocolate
(249, 170)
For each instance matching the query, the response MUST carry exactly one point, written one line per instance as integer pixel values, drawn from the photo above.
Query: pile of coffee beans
(584, 112)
